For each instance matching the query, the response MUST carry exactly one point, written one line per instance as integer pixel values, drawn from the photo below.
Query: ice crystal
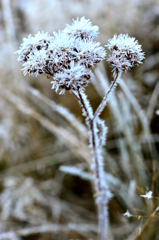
(148, 195)
(82, 28)
(126, 53)
(127, 214)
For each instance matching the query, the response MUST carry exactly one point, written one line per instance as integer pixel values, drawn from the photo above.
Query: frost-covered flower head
(32, 53)
(71, 79)
(68, 55)
(126, 53)
(82, 28)
(89, 53)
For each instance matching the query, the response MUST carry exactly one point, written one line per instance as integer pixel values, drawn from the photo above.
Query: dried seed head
(82, 28)
(71, 79)
(68, 56)
(89, 53)
(126, 53)
(31, 44)
(32, 53)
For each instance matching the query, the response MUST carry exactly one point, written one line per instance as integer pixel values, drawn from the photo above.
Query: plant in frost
(69, 57)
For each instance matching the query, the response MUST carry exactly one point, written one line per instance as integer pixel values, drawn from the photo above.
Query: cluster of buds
(68, 55)
(126, 53)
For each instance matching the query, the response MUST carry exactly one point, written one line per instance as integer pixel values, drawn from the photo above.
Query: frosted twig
(102, 191)
(106, 98)
(102, 132)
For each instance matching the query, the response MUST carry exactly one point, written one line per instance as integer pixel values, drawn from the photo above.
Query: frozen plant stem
(106, 98)
(102, 193)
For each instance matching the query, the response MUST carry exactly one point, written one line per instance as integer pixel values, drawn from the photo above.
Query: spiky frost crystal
(126, 53)
(68, 56)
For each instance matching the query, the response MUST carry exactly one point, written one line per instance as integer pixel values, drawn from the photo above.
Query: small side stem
(106, 98)
(102, 192)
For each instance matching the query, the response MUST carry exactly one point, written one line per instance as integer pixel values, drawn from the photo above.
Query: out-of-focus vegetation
(38, 198)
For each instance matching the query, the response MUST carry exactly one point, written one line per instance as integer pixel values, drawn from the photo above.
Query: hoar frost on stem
(69, 57)
(125, 54)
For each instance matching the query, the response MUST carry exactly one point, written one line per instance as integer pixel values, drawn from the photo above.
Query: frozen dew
(127, 214)
(148, 195)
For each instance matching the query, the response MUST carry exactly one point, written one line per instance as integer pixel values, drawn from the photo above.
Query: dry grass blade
(30, 166)
(142, 117)
(70, 140)
(52, 228)
(114, 107)
(146, 223)
(64, 112)
(143, 165)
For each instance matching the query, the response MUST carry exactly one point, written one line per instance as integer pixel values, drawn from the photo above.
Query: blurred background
(45, 189)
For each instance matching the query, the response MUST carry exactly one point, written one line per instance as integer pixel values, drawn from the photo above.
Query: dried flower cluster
(68, 56)
(126, 53)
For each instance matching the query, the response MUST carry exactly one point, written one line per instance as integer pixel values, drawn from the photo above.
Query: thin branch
(106, 98)
(102, 192)
(146, 223)
(69, 139)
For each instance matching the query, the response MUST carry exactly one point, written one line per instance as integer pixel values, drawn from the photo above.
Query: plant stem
(102, 192)
(106, 98)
